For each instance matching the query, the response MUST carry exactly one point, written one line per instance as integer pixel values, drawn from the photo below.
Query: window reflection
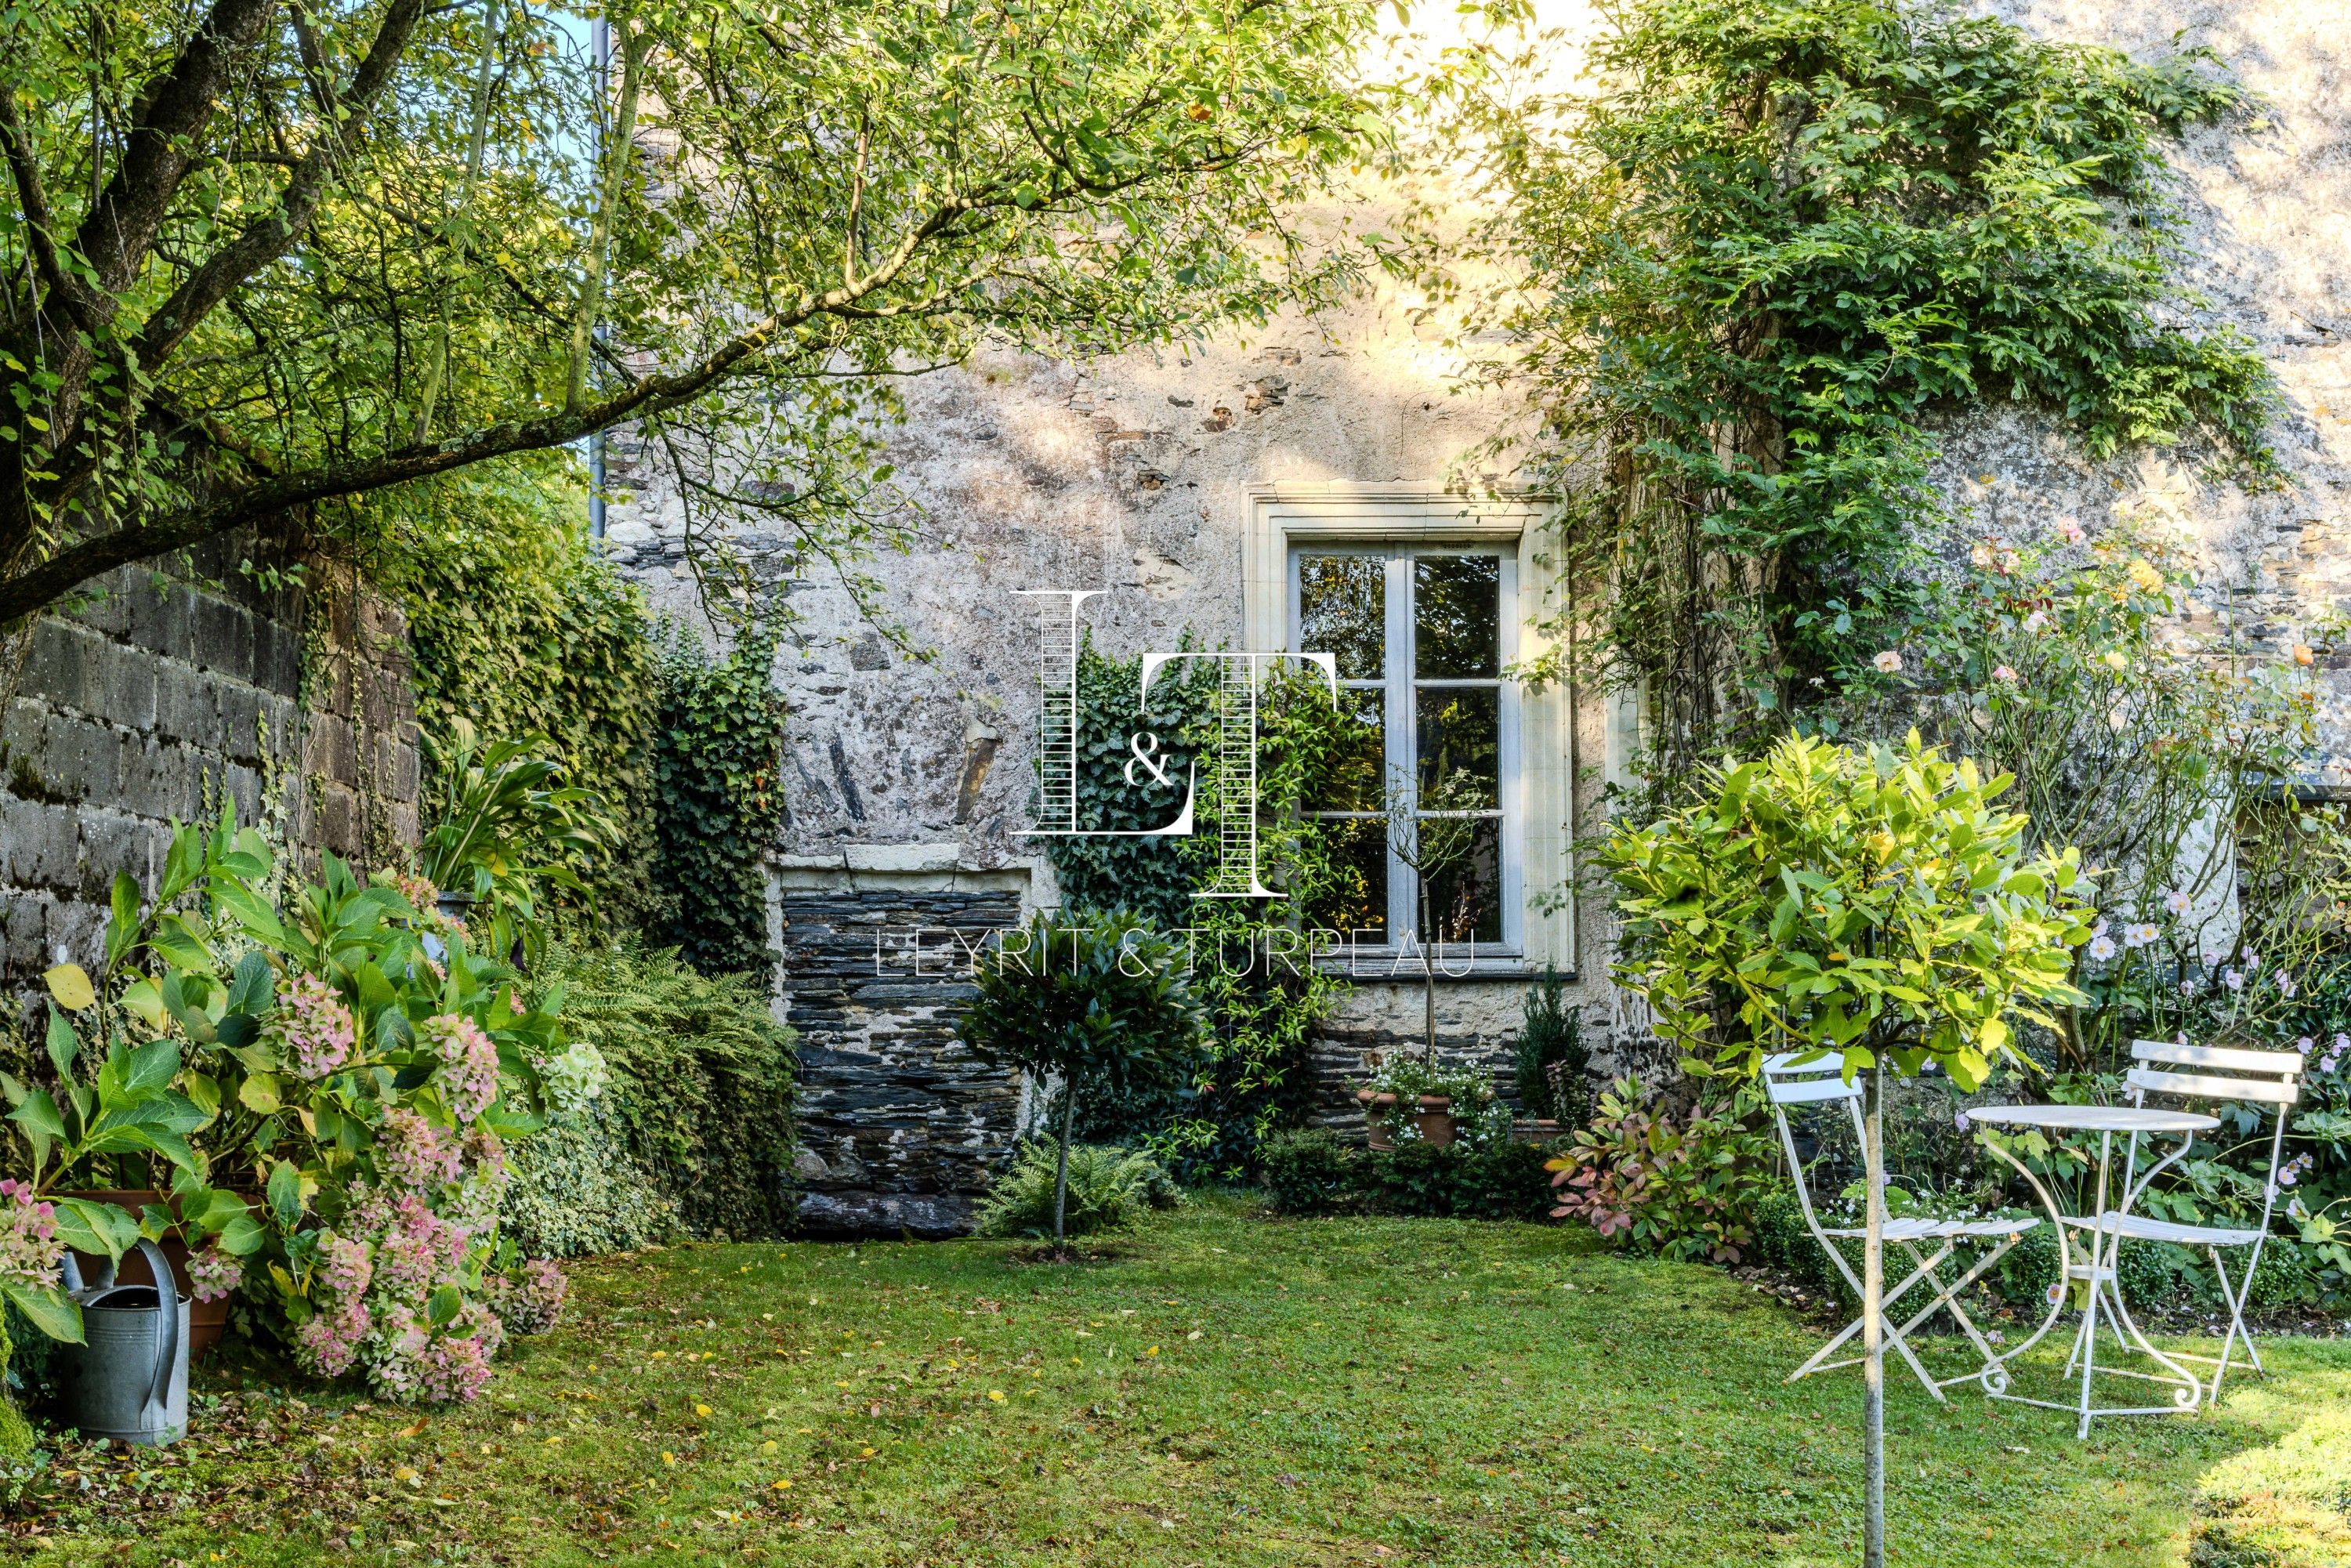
(1457, 617)
(1340, 612)
(1465, 901)
(1459, 731)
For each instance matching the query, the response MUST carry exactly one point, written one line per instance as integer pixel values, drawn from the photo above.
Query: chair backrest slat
(2207, 1087)
(2228, 1057)
(1810, 1091)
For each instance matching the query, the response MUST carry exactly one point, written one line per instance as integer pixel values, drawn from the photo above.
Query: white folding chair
(1794, 1079)
(2209, 1072)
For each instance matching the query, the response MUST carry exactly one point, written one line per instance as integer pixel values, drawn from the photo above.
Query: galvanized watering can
(127, 1379)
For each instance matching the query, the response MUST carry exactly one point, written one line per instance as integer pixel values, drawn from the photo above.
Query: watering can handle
(157, 1412)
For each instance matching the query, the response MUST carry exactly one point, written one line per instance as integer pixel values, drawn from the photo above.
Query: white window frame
(1400, 723)
(1539, 730)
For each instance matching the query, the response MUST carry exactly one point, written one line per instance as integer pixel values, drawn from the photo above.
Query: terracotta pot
(207, 1320)
(1534, 1129)
(1434, 1120)
(1376, 1126)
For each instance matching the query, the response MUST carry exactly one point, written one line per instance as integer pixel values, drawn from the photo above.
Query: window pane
(1465, 900)
(1351, 781)
(1357, 900)
(1457, 617)
(1341, 611)
(1459, 732)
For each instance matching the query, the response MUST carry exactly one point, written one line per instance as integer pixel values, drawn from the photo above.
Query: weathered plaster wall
(172, 689)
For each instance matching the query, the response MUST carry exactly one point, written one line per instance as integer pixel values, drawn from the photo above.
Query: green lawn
(1220, 1390)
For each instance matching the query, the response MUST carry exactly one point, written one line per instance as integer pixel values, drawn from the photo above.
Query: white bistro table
(2100, 1235)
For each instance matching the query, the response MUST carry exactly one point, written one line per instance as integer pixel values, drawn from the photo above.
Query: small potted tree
(1871, 906)
(1098, 1002)
(1432, 831)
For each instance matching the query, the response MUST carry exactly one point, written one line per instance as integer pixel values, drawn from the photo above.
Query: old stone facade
(1175, 481)
(169, 689)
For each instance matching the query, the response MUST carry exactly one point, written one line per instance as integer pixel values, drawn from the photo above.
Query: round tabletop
(2097, 1118)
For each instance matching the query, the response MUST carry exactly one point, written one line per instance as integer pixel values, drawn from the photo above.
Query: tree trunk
(1427, 977)
(1873, 1326)
(1062, 1167)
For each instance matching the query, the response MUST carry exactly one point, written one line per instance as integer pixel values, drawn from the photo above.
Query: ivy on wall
(517, 625)
(717, 762)
(1784, 237)
(1249, 1078)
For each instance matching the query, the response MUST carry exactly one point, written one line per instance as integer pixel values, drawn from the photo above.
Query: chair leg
(2236, 1331)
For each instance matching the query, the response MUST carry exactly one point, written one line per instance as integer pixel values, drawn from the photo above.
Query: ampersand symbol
(1148, 756)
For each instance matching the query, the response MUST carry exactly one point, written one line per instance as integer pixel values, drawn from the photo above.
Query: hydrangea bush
(357, 1063)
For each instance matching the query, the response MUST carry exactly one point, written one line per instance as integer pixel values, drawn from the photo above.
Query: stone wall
(900, 1126)
(165, 690)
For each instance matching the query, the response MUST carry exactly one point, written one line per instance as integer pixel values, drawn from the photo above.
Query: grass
(1216, 1390)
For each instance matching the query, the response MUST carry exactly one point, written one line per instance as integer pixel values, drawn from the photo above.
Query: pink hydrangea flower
(29, 1248)
(329, 1342)
(530, 1300)
(411, 1153)
(320, 1036)
(212, 1274)
(469, 1064)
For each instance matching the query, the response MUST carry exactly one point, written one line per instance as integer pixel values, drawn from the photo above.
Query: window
(1420, 638)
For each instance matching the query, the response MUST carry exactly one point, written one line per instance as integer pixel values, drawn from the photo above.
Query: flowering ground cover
(1215, 1389)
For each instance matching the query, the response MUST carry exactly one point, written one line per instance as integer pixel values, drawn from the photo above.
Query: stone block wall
(900, 1125)
(163, 690)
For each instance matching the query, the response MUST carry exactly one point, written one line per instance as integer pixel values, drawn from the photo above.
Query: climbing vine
(519, 626)
(717, 756)
(1784, 237)
(1262, 1011)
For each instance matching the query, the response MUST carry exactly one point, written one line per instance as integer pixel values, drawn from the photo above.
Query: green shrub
(1501, 1181)
(1306, 1170)
(1554, 1064)
(699, 1102)
(1110, 1188)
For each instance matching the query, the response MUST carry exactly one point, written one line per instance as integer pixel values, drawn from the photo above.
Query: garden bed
(1220, 1389)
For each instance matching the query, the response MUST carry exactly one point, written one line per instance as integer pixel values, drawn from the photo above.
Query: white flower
(1962, 1121)
(1982, 554)
(2285, 985)
(2341, 1042)
(2069, 530)
(2232, 979)
(2187, 987)
(2139, 934)
(2100, 929)
(2303, 1044)
(2102, 948)
(2036, 620)
(1888, 661)
(2175, 901)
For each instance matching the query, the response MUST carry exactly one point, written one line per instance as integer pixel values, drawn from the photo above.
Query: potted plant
(1409, 1101)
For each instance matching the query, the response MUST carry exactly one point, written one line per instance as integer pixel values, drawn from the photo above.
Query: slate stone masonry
(900, 1125)
(169, 688)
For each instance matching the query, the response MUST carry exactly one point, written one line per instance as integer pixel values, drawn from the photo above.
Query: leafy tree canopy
(261, 257)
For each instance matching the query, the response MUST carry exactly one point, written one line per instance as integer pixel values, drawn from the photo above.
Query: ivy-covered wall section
(1786, 239)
